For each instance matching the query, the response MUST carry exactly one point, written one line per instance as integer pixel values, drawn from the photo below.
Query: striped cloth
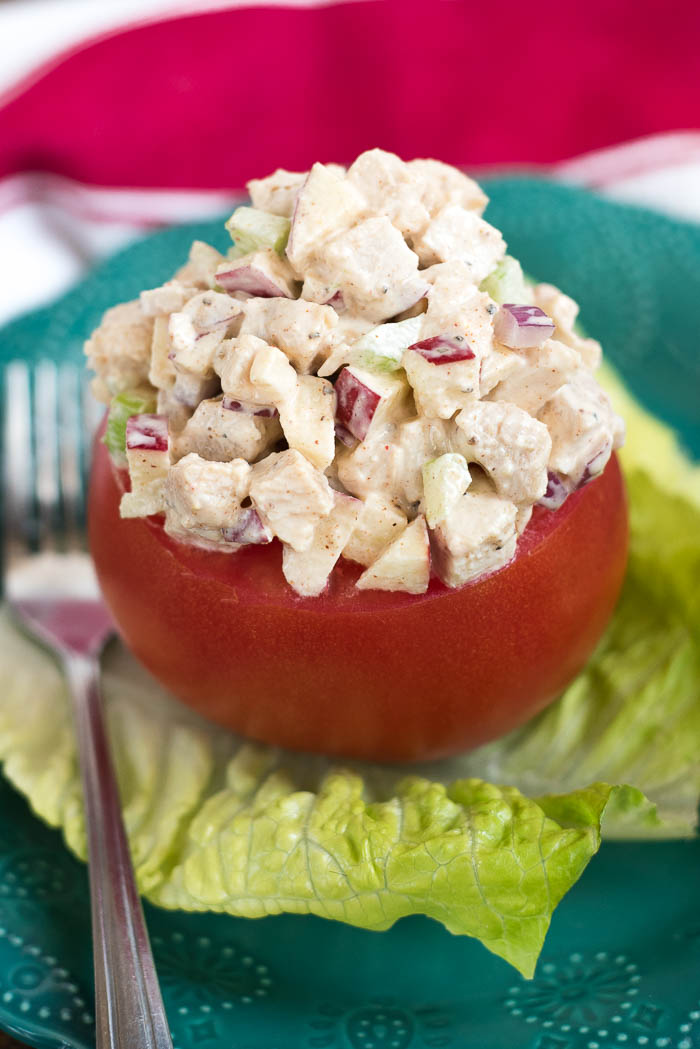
(162, 121)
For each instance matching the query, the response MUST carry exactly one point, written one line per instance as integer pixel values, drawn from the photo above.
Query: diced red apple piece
(248, 529)
(251, 280)
(444, 349)
(356, 403)
(307, 571)
(403, 565)
(147, 433)
(263, 274)
(148, 458)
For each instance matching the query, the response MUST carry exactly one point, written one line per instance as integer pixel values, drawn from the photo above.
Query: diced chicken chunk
(277, 192)
(510, 445)
(307, 571)
(199, 329)
(374, 269)
(202, 498)
(221, 434)
(390, 459)
(178, 402)
(440, 390)
(457, 307)
(442, 185)
(175, 410)
(498, 365)
(583, 427)
(547, 368)
(201, 265)
(478, 536)
(168, 298)
(291, 496)
(303, 330)
(326, 204)
(253, 372)
(458, 235)
(392, 188)
(379, 523)
(375, 465)
(119, 351)
(403, 565)
(308, 420)
(564, 311)
(420, 441)
(272, 376)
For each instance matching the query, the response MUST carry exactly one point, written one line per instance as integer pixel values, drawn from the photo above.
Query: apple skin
(356, 404)
(252, 280)
(443, 349)
(366, 674)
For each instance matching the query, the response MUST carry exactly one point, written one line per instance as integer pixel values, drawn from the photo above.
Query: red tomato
(387, 676)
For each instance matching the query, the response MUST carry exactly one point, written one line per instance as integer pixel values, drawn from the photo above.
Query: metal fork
(51, 589)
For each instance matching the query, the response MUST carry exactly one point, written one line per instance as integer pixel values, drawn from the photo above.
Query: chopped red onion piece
(356, 404)
(248, 529)
(264, 411)
(148, 433)
(251, 280)
(444, 349)
(556, 494)
(522, 327)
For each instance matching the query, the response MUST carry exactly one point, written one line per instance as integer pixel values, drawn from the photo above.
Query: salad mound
(366, 374)
(217, 823)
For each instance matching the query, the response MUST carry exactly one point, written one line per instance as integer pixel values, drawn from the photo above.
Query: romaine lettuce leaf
(487, 843)
(121, 408)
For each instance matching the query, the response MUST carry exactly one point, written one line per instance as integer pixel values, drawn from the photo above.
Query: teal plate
(621, 964)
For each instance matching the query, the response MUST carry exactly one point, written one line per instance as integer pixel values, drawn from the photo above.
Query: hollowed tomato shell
(368, 674)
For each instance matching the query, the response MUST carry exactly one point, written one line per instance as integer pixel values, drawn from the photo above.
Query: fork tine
(46, 453)
(92, 412)
(70, 465)
(17, 462)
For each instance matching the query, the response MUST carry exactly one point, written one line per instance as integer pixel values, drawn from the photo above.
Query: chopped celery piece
(122, 407)
(445, 480)
(507, 283)
(382, 348)
(252, 230)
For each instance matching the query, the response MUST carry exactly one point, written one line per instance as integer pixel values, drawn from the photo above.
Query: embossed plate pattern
(621, 966)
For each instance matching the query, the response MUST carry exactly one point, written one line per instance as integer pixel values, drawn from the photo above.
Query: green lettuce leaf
(121, 408)
(487, 843)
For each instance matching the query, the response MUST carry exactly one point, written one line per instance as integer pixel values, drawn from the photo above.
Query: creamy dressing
(337, 384)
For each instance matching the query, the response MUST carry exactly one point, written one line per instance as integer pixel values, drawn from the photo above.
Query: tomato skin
(367, 674)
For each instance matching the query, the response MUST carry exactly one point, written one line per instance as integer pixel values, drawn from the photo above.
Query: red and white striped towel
(143, 126)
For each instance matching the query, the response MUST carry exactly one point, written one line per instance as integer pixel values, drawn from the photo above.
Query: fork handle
(128, 1005)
